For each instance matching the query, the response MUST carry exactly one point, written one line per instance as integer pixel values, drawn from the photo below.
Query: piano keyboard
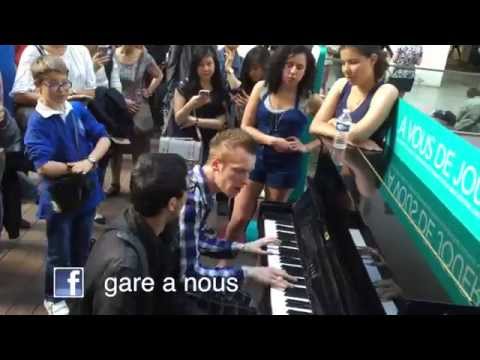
(373, 273)
(286, 256)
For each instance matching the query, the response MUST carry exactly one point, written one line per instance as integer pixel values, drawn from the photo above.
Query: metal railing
(395, 66)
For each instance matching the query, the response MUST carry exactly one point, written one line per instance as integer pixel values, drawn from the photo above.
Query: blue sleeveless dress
(274, 169)
(362, 110)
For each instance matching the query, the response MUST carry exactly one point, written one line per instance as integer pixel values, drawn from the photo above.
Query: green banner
(447, 164)
(450, 250)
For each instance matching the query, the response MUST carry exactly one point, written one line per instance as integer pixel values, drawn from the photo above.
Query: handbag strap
(139, 64)
(199, 133)
(75, 131)
(41, 50)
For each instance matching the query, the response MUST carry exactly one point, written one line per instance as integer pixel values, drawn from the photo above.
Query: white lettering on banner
(447, 249)
(440, 161)
(470, 182)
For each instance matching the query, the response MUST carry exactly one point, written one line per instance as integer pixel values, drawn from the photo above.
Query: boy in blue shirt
(63, 138)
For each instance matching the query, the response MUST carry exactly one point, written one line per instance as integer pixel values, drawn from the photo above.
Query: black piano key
(299, 282)
(285, 237)
(287, 227)
(290, 260)
(293, 312)
(298, 304)
(288, 252)
(294, 271)
(293, 258)
(297, 292)
(289, 243)
(284, 222)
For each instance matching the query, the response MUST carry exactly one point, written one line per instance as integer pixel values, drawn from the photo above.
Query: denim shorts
(276, 175)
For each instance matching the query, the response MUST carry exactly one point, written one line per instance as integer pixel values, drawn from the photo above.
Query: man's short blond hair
(226, 142)
(45, 65)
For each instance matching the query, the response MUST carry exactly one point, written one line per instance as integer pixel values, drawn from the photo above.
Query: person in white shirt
(79, 64)
(80, 73)
(100, 59)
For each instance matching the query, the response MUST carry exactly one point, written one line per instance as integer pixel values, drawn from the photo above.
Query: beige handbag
(190, 149)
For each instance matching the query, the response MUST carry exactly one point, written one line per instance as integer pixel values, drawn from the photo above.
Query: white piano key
(373, 273)
(278, 297)
(270, 228)
(306, 311)
(390, 307)
(277, 302)
(357, 238)
(297, 299)
(274, 261)
(285, 225)
(293, 265)
(286, 232)
(299, 286)
(289, 247)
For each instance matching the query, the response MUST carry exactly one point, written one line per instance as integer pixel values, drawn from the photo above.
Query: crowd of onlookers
(70, 111)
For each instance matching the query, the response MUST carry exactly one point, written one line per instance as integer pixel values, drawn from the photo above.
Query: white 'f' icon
(73, 279)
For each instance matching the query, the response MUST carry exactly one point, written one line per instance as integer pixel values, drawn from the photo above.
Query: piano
(357, 247)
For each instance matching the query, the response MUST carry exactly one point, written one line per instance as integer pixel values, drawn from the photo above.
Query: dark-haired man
(138, 255)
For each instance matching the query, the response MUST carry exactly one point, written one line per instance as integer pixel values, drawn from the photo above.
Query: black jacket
(10, 136)
(110, 109)
(130, 249)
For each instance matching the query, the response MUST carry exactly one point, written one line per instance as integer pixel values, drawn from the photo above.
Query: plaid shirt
(196, 238)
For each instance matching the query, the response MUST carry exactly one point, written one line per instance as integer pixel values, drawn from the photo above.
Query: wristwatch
(237, 246)
(92, 159)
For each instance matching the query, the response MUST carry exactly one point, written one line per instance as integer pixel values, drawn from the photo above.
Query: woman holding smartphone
(201, 100)
(253, 70)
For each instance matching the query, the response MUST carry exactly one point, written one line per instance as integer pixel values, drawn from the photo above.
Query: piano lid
(431, 254)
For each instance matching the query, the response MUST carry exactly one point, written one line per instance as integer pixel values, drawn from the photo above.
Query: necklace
(353, 105)
(275, 120)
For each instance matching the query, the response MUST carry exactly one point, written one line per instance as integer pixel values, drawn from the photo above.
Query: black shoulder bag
(70, 192)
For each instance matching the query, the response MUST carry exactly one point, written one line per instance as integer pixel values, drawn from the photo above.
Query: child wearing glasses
(63, 138)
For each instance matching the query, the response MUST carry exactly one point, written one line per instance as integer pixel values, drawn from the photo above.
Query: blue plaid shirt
(196, 238)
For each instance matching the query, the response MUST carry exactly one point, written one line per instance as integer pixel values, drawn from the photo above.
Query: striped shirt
(196, 238)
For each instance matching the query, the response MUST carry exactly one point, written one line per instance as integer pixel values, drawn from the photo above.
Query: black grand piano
(368, 237)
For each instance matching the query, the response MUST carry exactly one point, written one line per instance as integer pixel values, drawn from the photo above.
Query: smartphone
(104, 50)
(204, 93)
(236, 91)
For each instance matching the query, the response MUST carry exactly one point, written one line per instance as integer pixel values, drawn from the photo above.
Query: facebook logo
(68, 282)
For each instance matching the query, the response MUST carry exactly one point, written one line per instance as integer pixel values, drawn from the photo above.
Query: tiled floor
(22, 261)
(450, 96)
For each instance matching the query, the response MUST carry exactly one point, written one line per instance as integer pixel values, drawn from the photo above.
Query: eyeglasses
(57, 86)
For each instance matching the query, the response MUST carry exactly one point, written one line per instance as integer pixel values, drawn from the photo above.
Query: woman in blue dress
(364, 93)
(276, 119)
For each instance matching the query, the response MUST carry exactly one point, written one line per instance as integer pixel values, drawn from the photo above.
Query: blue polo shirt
(51, 137)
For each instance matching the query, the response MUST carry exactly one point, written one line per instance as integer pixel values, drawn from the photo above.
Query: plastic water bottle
(344, 122)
